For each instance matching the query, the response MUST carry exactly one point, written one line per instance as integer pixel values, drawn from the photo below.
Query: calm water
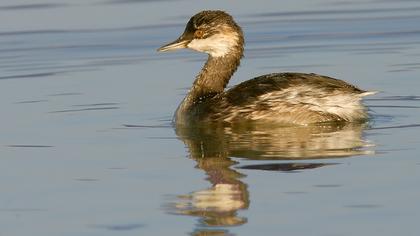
(87, 148)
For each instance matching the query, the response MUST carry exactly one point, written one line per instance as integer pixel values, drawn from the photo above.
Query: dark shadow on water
(217, 151)
(285, 167)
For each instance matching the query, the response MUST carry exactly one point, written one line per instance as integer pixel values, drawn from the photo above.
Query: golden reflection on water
(213, 147)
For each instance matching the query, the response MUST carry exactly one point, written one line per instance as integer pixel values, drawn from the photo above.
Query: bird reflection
(217, 205)
(216, 149)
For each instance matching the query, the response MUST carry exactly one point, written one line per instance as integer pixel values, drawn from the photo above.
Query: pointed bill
(177, 44)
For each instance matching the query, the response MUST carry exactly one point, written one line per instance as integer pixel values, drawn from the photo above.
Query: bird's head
(212, 32)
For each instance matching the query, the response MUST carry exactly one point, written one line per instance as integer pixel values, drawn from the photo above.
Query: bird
(287, 98)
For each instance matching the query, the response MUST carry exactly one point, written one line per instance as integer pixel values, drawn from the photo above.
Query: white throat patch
(217, 45)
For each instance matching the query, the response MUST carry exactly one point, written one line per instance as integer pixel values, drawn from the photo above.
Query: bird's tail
(368, 93)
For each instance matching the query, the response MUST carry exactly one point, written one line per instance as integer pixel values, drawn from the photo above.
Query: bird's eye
(199, 34)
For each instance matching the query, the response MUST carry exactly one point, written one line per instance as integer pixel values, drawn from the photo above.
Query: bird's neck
(214, 76)
(212, 80)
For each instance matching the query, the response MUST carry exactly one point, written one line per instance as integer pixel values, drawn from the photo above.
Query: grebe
(289, 98)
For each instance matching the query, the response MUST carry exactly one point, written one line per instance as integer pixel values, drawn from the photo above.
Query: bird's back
(290, 98)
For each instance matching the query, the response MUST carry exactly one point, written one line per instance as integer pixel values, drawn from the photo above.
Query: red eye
(199, 34)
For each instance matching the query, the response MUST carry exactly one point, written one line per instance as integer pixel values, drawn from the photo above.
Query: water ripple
(35, 6)
(34, 75)
(118, 227)
(28, 146)
(335, 12)
(85, 109)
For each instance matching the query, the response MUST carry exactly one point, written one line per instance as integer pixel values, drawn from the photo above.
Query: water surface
(87, 147)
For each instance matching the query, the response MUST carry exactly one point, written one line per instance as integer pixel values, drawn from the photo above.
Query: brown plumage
(289, 98)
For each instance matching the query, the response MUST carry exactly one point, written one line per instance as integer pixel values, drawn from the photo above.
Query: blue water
(87, 147)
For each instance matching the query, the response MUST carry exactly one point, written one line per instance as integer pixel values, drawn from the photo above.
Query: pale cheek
(199, 45)
(215, 46)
